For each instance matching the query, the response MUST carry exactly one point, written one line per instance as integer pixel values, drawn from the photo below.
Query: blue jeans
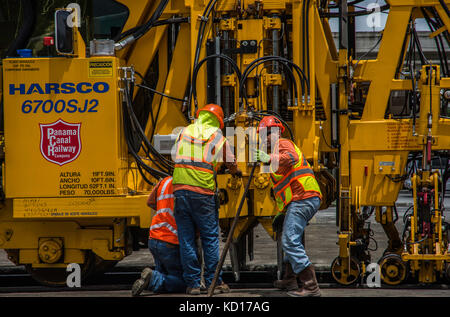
(196, 211)
(168, 274)
(298, 214)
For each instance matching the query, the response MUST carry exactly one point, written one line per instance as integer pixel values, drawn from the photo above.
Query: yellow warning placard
(100, 69)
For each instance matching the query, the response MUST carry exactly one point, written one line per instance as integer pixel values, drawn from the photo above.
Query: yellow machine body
(88, 203)
(63, 135)
(66, 166)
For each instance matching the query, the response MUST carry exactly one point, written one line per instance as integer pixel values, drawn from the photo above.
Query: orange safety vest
(302, 173)
(163, 225)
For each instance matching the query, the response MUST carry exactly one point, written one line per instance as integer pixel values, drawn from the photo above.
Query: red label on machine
(60, 141)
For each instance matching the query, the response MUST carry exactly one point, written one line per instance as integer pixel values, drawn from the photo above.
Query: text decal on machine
(59, 106)
(60, 141)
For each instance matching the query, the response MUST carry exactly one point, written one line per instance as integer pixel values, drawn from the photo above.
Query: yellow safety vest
(195, 160)
(301, 172)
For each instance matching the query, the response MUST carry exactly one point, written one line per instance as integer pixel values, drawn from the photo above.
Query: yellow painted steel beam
(173, 84)
(426, 257)
(80, 207)
(304, 114)
(382, 71)
(326, 74)
(144, 50)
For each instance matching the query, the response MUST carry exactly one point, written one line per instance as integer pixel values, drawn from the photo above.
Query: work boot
(193, 290)
(310, 285)
(289, 281)
(221, 288)
(142, 283)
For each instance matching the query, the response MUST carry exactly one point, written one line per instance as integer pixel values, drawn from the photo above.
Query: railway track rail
(118, 280)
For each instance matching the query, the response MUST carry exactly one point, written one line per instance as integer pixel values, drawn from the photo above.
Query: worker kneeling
(196, 205)
(298, 198)
(163, 244)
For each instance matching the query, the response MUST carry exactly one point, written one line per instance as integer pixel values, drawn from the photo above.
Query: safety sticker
(60, 141)
(100, 69)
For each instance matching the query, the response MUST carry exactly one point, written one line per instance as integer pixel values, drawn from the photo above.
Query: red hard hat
(269, 122)
(215, 110)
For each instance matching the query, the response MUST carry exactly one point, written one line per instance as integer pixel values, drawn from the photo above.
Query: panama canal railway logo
(60, 141)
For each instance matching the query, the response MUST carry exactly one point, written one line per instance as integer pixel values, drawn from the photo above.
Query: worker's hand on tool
(277, 222)
(261, 156)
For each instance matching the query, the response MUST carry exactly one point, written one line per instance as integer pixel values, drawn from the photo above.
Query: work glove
(277, 222)
(261, 156)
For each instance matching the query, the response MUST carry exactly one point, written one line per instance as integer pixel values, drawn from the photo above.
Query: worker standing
(198, 150)
(163, 244)
(298, 198)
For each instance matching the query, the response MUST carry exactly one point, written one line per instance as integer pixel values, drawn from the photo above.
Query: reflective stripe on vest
(206, 167)
(168, 210)
(165, 197)
(300, 172)
(195, 159)
(163, 225)
(295, 174)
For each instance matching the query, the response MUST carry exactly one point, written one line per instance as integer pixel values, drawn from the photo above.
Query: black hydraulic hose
(141, 164)
(197, 68)
(131, 145)
(444, 6)
(280, 59)
(422, 56)
(150, 103)
(291, 77)
(243, 93)
(167, 164)
(160, 93)
(439, 45)
(306, 39)
(144, 177)
(355, 13)
(156, 15)
(303, 33)
(439, 24)
(25, 32)
(203, 21)
(273, 58)
(175, 20)
(443, 53)
(138, 32)
(155, 119)
(412, 71)
(352, 3)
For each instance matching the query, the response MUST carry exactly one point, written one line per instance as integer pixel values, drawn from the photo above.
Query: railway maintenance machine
(88, 131)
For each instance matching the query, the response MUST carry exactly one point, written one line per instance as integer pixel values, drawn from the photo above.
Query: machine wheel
(392, 269)
(342, 275)
(56, 277)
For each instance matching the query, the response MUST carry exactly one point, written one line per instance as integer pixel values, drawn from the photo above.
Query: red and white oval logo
(60, 141)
